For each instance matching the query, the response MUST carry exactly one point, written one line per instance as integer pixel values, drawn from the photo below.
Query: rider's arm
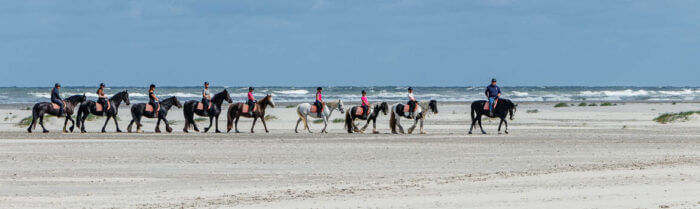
(499, 91)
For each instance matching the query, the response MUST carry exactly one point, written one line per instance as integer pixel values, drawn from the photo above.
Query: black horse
(110, 111)
(42, 108)
(350, 117)
(503, 108)
(191, 108)
(139, 110)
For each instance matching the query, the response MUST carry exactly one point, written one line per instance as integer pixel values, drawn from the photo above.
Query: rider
(411, 102)
(153, 100)
(492, 93)
(251, 101)
(56, 98)
(206, 97)
(365, 103)
(101, 98)
(319, 102)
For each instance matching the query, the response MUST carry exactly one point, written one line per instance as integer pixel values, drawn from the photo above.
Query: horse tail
(188, 112)
(306, 126)
(392, 121)
(35, 115)
(348, 121)
(473, 112)
(79, 117)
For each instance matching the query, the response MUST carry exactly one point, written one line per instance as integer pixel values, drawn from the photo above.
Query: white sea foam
(296, 91)
(520, 94)
(619, 93)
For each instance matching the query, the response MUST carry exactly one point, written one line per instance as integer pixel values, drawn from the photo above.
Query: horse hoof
(71, 129)
(65, 131)
(196, 129)
(375, 132)
(252, 132)
(217, 131)
(238, 132)
(499, 132)
(506, 132)
(119, 131)
(483, 132)
(185, 130)
(157, 131)
(103, 131)
(46, 131)
(469, 132)
(423, 132)
(169, 130)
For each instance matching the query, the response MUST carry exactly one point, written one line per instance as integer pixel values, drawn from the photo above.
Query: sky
(350, 43)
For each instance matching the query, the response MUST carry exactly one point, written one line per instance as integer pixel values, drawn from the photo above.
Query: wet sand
(575, 157)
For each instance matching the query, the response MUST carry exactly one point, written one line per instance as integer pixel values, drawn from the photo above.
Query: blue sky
(323, 42)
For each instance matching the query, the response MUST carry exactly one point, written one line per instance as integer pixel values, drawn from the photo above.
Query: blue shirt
(55, 96)
(493, 90)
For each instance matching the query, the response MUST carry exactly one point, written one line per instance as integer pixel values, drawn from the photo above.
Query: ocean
(11, 95)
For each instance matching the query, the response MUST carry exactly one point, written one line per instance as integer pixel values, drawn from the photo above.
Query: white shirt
(410, 97)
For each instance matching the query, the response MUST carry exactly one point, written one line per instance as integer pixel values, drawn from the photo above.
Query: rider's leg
(251, 106)
(491, 100)
(319, 111)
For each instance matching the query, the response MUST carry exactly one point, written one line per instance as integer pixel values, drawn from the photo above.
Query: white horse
(304, 111)
(397, 111)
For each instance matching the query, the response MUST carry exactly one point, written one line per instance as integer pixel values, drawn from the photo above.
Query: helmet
(206, 83)
(251, 88)
(319, 89)
(102, 84)
(364, 92)
(493, 80)
(410, 88)
(152, 86)
(57, 85)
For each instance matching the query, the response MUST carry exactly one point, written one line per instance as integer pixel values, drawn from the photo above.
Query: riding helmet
(493, 80)
(57, 85)
(251, 88)
(319, 89)
(410, 88)
(102, 84)
(206, 83)
(364, 92)
(153, 86)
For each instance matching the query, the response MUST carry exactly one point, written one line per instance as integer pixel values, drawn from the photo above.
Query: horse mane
(76, 98)
(118, 95)
(169, 100)
(219, 96)
(332, 105)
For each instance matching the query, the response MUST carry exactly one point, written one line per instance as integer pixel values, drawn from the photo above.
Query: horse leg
(236, 123)
(264, 125)
(473, 124)
(399, 125)
(167, 125)
(499, 126)
(72, 124)
(106, 120)
(65, 123)
(211, 118)
(41, 122)
(481, 127)
(325, 125)
(116, 124)
(138, 125)
(158, 125)
(306, 125)
(413, 127)
(365, 126)
(297, 126)
(421, 126)
(128, 128)
(506, 122)
(252, 127)
(82, 122)
(217, 124)
(374, 126)
(29, 129)
(194, 124)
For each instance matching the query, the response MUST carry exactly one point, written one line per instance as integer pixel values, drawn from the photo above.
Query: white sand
(574, 157)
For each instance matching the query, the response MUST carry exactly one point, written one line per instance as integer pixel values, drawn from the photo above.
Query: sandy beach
(569, 157)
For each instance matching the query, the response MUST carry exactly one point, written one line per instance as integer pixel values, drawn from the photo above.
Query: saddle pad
(359, 111)
(200, 106)
(406, 108)
(55, 106)
(246, 106)
(149, 108)
(98, 107)
(314, 109)
(486, 105)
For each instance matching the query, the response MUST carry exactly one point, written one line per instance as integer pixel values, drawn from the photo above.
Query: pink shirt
(364, 101)
(319, 97)
(250, 96)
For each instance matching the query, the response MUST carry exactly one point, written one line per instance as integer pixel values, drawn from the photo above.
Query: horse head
(384, 107)
(228, 96)
(126, 97)
(433, 106)
(267, 100)
(340, 106)
(177, 102)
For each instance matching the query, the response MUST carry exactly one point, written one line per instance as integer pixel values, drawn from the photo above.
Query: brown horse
(42, 108)
(235, 111)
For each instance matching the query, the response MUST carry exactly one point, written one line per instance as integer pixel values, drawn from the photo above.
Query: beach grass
(605, 104)
(270, 117)
(290, 106)
(582, 104)
(200, 119)
(532, 111)
(561, 104)
(675, 117)
(337, 120)
(592, 104)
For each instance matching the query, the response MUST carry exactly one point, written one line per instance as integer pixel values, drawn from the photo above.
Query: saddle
(246, 106)
(55, 106)
(149, 108)
(486, 105)
(99, 107)
(359, 111)
(200, 106)
(407, 108)
(314, 109)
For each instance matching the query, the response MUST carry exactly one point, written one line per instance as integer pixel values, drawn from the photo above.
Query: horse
(190, 108)
(139, 110)
(304, 110)
(398, 110)
(350, 117)
(235, 111)
(90, 107)
(42, 108)
(502, 109)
